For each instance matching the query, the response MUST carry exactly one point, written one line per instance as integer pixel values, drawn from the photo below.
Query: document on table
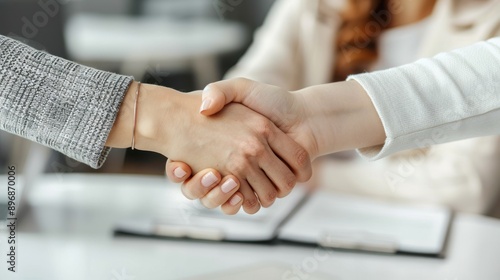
(189, 219)
(321, 218)
(350, 222)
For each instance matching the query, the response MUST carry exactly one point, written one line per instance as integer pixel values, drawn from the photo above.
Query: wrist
(363, 120)
(120, 135)
(160, 113)
(341, 116)
(161, 117)
(307, 132)
(166, 119)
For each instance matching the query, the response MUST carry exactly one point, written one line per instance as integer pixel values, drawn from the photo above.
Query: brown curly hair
(362, 23)
(356, 48)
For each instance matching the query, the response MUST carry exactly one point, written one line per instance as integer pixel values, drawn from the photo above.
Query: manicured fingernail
(179, 172)
(228, 186)
(205, 104)
(235, 200)
(209, 179)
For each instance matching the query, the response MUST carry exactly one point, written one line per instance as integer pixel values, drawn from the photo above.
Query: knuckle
(290, 182)
(244, 84)
(237, 165)
(188, 193)
(241, 80)
(208, 203)
(282, 194)
(269, 198)
(301, 157)
(264, 127)
(230, 211)
(251, 203)
(252, 148)
(287, 189)
(211, 200)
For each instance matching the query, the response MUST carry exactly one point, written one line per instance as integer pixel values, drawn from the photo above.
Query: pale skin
(323, 119)
(258, 160)
(328, 118)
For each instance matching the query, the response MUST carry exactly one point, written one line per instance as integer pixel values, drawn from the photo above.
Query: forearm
(449, 97)
(341, 117)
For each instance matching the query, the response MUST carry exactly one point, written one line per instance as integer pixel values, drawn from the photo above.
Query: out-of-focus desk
(153, 44)
(67, 235)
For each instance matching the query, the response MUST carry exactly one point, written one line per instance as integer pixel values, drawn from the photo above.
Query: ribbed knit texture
(60, 104)
(450, 97)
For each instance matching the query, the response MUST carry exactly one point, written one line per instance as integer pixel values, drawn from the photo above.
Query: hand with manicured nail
(220, 191)
(258, 160)
(281, 107)
(322, 119)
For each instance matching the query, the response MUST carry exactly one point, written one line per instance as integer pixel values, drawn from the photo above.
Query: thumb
(216, 95)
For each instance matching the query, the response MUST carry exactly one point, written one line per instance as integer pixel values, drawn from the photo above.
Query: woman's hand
(323, 119)
(283, 108)
(237, 141)
(288, 110)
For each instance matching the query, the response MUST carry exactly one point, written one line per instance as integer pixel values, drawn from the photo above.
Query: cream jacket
(294, 49)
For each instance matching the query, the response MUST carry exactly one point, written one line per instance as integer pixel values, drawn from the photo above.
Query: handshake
(242, 143)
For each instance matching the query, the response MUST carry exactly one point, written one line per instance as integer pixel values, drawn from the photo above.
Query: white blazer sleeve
(449, 97)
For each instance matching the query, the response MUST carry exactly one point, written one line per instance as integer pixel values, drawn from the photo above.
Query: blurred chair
(142, 44)
(176, 8)
(107, 7)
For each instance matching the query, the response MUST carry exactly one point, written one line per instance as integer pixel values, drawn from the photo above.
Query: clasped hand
(255, 160)
(299, 127)
(266, 163)
(246, 143)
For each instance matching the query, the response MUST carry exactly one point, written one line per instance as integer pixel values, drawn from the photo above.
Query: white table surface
(67, 235)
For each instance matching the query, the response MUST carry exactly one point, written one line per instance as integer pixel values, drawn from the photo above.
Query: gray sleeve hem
(60, 104)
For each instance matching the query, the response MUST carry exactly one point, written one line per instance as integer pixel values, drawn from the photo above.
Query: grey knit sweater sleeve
(57, 103)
